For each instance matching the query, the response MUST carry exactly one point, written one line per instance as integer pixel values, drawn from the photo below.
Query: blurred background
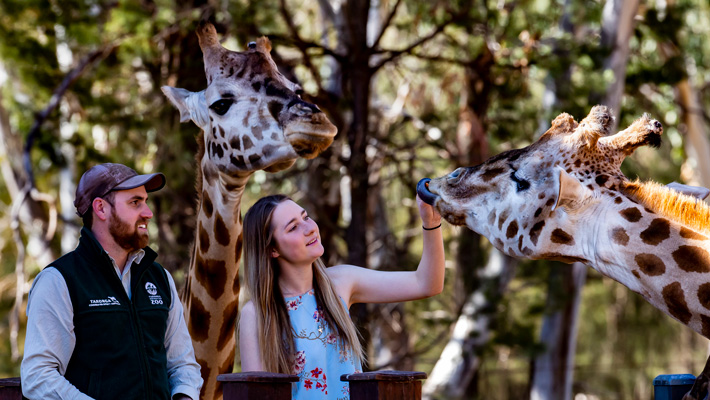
(417, 88)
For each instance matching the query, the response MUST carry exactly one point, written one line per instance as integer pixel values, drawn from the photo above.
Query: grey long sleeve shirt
(50, 339)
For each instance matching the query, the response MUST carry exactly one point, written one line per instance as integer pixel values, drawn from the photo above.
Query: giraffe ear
(695, 191)
(192, 105)
(570, 192)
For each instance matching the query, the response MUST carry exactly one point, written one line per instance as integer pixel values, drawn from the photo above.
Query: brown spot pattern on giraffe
(502, 218)
(631, 214)
(650, 264)
(535, 231)
(254, 158)
(686, 233)
(491, 173)
(601, 179)
(658, 230)
(204, 239)
(512, 229)
(207, 204)
(211, 274)
(692, 259)
(636, 274)
(674, 297)
(704, 295)
(200, 318)
(235, 144)
(205, 372)
(492, 217)
(561, 257)
(229, 318)
(561, 237)
(221, 232)
(247, 143)
(705, 325)
(258, 132)
(619, 236)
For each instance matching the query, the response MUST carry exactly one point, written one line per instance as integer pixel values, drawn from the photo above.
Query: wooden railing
(10, 389)
(376, 385)
(385, 385)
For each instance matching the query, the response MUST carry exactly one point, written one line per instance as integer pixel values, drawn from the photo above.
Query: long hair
(276, 344)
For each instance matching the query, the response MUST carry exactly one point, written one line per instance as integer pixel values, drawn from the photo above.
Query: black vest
(120, 351)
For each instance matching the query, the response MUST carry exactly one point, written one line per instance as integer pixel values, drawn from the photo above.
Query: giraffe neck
(659, 257)
(213, 281)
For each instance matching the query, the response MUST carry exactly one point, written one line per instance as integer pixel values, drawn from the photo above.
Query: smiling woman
(298, 321)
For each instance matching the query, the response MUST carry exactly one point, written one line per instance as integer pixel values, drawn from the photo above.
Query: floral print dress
(319, 361)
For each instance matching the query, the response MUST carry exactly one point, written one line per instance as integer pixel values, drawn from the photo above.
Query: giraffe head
(541, 201)
(252, 116)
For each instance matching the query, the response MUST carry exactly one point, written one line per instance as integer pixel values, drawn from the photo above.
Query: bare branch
(288, 18)
(386, 24)
(394, 54)
(42, 116)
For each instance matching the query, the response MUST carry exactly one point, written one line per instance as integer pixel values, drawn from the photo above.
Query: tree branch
(386, 24)
(298, 42)
(42, 116)
(394, 54)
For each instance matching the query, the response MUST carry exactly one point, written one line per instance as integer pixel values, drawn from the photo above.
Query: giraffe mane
(684, 209)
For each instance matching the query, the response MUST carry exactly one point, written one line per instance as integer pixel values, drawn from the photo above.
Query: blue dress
(319, 362)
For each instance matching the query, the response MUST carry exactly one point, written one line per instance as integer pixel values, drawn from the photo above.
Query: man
(105, 320)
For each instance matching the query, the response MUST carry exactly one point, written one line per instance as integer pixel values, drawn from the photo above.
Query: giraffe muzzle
(424, 193)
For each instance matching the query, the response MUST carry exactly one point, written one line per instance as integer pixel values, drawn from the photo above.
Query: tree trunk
(460, 360)
(356, 89)
(617, 27)
(696, 141)
(553, 370)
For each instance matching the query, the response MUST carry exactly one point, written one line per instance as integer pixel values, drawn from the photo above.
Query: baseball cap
(103, 178)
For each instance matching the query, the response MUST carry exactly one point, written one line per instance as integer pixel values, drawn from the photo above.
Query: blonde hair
(276, 343)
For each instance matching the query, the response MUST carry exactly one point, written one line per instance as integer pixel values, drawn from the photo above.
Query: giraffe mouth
(424, 193)
(309, 141)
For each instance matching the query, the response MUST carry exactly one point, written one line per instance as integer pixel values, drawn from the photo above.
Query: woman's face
(296, 236)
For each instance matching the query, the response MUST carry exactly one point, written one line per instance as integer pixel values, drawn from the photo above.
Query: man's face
(128, 222)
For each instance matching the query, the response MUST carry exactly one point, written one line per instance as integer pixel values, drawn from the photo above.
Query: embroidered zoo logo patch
(109, 301)
(153, 295)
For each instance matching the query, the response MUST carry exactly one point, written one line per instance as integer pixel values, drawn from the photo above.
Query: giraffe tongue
(424, 193)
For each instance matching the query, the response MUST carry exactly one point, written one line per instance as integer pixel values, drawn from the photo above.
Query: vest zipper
(145, 366)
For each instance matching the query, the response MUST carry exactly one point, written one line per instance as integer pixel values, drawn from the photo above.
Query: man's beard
(126, 235)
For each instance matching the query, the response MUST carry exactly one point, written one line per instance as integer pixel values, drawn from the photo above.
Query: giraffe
(565, 198)
(252, 118)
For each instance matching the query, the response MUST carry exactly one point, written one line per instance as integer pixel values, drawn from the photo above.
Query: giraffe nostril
(657, 124)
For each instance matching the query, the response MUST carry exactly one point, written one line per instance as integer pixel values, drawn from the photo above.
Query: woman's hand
(430, 217)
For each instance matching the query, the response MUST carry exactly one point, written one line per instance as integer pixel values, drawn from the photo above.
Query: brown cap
(103, 178)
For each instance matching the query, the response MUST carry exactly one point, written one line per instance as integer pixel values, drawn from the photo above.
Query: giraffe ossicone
(565, 198)
(252, 118)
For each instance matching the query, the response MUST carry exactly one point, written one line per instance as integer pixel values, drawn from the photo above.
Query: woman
(297, 321)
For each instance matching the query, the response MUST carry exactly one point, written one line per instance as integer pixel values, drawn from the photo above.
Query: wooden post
(10, 389)
(385, 385)
(256, 385)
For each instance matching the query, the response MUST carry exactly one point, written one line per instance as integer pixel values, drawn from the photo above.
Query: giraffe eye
(456, 173)
(520, 184)
(221, 106)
